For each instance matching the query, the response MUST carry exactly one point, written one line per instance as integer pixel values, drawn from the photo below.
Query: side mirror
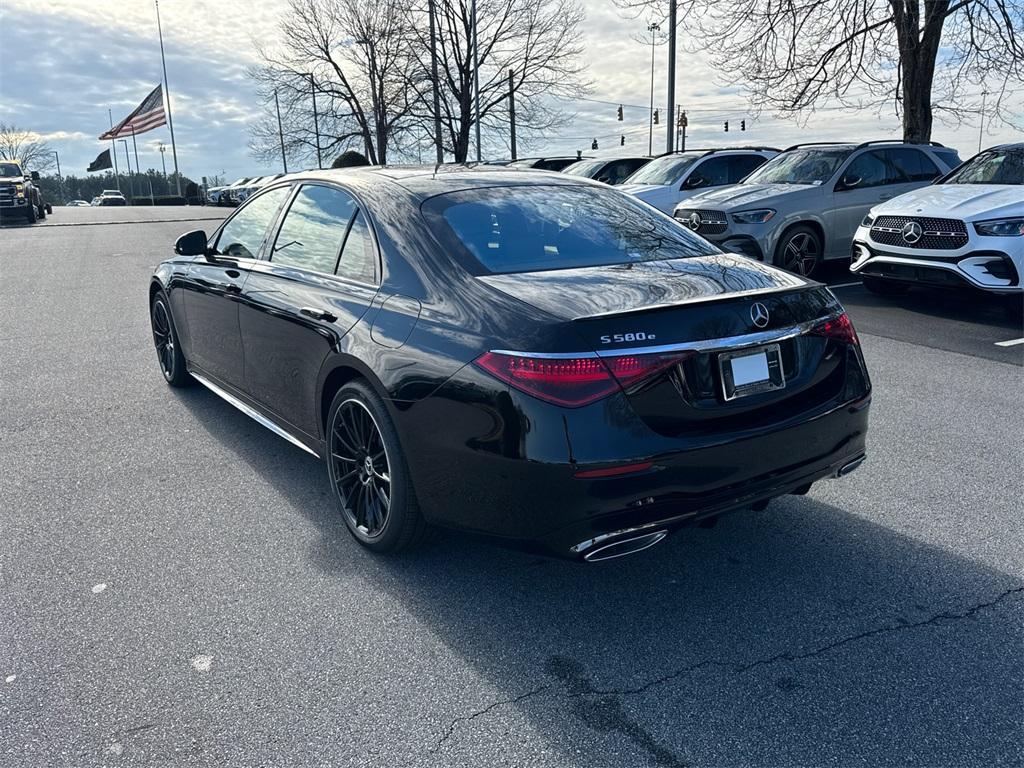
(191, 244)
(35, 175)
(695, 181)
(850, 182)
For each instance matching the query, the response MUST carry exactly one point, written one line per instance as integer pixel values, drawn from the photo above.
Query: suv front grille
(946, 234)
(703, 222)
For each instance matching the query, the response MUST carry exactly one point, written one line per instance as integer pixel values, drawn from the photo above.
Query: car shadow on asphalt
(801, 635)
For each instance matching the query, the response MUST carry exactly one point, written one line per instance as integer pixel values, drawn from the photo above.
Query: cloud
(65, 62)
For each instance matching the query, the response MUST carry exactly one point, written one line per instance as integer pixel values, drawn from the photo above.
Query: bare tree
(355, 54)
(921, 56)
(25, 147)
(537, 40)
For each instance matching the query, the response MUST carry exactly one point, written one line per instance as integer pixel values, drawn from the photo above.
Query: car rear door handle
(318, 314)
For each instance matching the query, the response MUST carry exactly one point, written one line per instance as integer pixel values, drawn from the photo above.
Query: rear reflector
(838, 328)
(574, 381)
(622, 469)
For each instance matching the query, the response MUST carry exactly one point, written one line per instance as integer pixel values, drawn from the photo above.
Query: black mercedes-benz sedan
(528, 355)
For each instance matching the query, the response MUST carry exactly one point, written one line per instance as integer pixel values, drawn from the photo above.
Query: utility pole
(652, 28)
(671, 70)
(60, 179)
(476, 79)
(512, 112)
(280, 132)
(113, 153)
(981, 128)
(433, 80)
(167, 98)
(316, 120)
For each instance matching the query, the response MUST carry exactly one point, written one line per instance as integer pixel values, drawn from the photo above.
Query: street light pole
(60, 179)
(669, 128)
(652, 28)
(163, 162)
(128, 162)
(476, 79)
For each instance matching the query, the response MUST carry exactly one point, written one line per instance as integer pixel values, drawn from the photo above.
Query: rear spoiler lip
(700, 345)
(702, 300)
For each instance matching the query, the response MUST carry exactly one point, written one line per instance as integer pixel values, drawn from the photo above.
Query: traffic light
(593, 144)
(683, 122)
(743, 125)
(726, 126)
(622, 141)
(620, 113)
(655, 117)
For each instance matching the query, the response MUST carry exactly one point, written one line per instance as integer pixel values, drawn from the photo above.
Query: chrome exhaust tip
(625, 546)
(847, 468)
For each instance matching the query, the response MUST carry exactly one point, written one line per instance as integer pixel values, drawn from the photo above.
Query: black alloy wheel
(165, 339)
(368, 473)
(799, 251)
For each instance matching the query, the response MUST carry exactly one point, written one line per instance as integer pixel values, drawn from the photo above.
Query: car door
(213, 286)
(318, 277)
(868, 179)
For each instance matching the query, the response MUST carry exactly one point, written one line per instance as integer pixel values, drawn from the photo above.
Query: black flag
(102, 161)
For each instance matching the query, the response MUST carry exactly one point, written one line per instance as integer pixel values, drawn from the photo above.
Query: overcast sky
(63, 63)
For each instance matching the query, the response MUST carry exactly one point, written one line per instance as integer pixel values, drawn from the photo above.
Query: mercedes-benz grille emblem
(759, 314)
(911, 232)
(694, 221)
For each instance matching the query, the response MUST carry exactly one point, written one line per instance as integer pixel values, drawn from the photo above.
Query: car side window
(868, 170)
(243, 234)
(358, 256)
(713, 172)
(913, 164)
(314, 228)
(741, 166)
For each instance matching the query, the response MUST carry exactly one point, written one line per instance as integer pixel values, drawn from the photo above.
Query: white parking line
(845, 285)
(1010, 343)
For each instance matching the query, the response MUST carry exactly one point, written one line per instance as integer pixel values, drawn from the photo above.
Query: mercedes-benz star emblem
(694, 221)
(759, 314)
(911, 232)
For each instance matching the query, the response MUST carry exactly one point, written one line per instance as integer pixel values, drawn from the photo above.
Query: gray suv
(804, 205)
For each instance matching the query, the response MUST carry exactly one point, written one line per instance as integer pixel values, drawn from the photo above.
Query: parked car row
(239, 191)
(905, 213)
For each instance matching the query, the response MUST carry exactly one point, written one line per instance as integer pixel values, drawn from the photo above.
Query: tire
(799, 250)
(31, 214)
(368, 473)
(165, 339)
(49, 209)
(42, 212)
(881, 287)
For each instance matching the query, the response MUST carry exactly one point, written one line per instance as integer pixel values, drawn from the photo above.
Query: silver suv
(804, 205)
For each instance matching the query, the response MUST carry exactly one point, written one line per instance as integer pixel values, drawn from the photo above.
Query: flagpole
(128, 162)
(138, 168)
(113, 152)
(167, 98)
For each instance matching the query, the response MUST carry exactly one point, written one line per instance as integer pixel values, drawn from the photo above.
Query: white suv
(965, 230)
(668, 179)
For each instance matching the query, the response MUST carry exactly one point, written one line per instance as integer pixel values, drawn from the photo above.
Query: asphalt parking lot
(176, 587)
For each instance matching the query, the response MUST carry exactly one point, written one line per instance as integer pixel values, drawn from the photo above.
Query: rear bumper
(507, 468)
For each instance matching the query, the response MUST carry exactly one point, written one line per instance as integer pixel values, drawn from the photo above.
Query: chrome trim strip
(707, 299)
(953, 267)
(704, 345)
(253, 414)
(583, 546)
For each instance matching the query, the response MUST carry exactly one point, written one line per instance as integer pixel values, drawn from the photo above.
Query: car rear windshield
(584, 167)
(664, 170)
(800, 166)
(993, 167)
(543, 227)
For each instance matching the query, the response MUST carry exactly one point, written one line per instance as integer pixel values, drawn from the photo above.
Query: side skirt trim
(253, 414)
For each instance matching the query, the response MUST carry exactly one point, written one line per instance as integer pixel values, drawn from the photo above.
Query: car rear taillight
(573, 381)
(838, 328)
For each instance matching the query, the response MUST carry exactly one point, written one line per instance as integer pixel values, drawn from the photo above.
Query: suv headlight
(760, 216)
(868, 221)
(1001, 227)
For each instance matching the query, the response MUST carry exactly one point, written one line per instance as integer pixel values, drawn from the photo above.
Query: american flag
(145, 117)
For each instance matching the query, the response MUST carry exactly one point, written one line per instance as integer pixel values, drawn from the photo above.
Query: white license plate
(749, 369)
